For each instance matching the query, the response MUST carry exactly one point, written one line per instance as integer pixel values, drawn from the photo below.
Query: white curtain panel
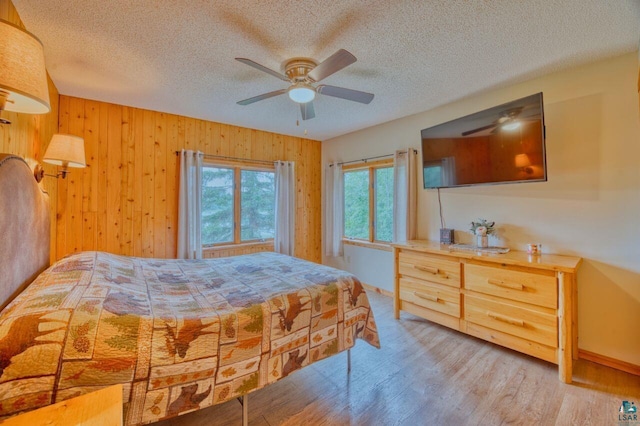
(190, 205)
(449, 171)
(285, 210)
(405, 192)
(334, 210)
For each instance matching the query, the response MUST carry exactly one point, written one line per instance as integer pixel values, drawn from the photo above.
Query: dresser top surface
(553, 262)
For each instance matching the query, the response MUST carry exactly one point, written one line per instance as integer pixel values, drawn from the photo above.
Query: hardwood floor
(426, 374)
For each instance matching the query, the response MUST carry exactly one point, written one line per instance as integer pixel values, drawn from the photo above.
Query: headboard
(24, 227)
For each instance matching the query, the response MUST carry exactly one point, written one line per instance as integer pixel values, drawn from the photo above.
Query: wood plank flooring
(426, 374)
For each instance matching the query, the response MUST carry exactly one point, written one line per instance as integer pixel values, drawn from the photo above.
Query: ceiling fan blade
(531, 113)
(262, 97)
(263, 69)
(479, 129)
(307, 111)
(332, 64)
(348, 94)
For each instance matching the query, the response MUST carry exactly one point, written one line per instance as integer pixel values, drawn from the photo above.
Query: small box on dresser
(526, 303)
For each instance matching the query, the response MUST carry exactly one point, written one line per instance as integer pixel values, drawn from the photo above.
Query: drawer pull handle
(427, 297)
(428, 269)
(506, 319)
(500, 283)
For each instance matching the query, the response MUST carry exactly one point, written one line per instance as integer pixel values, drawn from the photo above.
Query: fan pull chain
(298, 125)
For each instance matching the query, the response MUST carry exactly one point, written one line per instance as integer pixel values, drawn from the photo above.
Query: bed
(179, 335)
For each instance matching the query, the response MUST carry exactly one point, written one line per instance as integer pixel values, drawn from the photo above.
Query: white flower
(482, 227)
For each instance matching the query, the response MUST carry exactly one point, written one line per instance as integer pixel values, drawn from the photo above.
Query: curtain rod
(364, 160)
(222, 157)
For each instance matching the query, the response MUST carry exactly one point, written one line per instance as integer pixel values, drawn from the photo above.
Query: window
(356, 204)
(238, 204)
(383, 190)
(441, 173)
(217, 205)
(257, 205)
(432, 175)
(368, 201)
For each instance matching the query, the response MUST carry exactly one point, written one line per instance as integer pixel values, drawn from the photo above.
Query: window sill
(368, 244)
(238, 248)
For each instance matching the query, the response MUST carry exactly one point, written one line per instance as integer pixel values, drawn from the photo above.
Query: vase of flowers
(482, 229)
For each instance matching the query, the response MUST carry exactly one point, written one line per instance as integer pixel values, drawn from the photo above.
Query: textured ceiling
(178, 56)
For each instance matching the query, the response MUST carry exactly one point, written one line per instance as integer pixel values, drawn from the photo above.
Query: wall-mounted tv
(503, 144)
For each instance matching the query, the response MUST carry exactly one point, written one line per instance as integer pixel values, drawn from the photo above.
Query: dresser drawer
(432, 296)
(429, 268)
(537, 289)
(530, 324)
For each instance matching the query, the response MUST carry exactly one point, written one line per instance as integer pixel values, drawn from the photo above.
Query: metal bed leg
(244, 401)
(348, 361)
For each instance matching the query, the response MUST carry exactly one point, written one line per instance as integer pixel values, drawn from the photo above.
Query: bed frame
(25, 235)
(24, 227)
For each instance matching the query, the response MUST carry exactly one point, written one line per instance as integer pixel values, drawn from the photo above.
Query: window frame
(371, 166)
(238, 167)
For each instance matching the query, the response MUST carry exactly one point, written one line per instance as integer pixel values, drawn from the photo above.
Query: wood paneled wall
(28, 135)
(126, 200)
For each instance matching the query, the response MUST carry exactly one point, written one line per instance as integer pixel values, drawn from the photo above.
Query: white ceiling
(178, 56)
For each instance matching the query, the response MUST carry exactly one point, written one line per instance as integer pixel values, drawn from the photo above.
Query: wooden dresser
(526, 303)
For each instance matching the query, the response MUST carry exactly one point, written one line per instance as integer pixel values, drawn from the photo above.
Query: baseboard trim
(609, 362)
(378, 290)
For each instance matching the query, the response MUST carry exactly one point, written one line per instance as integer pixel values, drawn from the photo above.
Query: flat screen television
(503, 144)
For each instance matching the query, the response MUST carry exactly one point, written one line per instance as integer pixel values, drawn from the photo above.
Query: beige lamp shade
(522, 160)
(65, 150)
(23, 77)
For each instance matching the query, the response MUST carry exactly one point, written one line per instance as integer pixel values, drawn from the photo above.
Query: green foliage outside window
(384, 204)
(257, 205)
(356, 204)
(217, 205)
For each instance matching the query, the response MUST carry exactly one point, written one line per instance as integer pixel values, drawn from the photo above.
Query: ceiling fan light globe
(513, 125)
(302, 93)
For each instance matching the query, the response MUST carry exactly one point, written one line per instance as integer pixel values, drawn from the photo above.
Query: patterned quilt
(178, 334)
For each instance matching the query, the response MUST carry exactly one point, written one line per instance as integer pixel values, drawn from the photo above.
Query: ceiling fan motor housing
(298, 68)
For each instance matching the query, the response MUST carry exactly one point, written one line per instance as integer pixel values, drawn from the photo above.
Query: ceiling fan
(509, 120)
(302, 73)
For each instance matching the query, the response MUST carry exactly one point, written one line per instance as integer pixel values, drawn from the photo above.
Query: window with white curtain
(238, 204)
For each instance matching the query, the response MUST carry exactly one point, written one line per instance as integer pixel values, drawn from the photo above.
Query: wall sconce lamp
(23, 77)
(523, 163)
(65, 151)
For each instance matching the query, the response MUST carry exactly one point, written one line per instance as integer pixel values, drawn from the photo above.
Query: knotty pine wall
(28, 135)
(126, 200)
